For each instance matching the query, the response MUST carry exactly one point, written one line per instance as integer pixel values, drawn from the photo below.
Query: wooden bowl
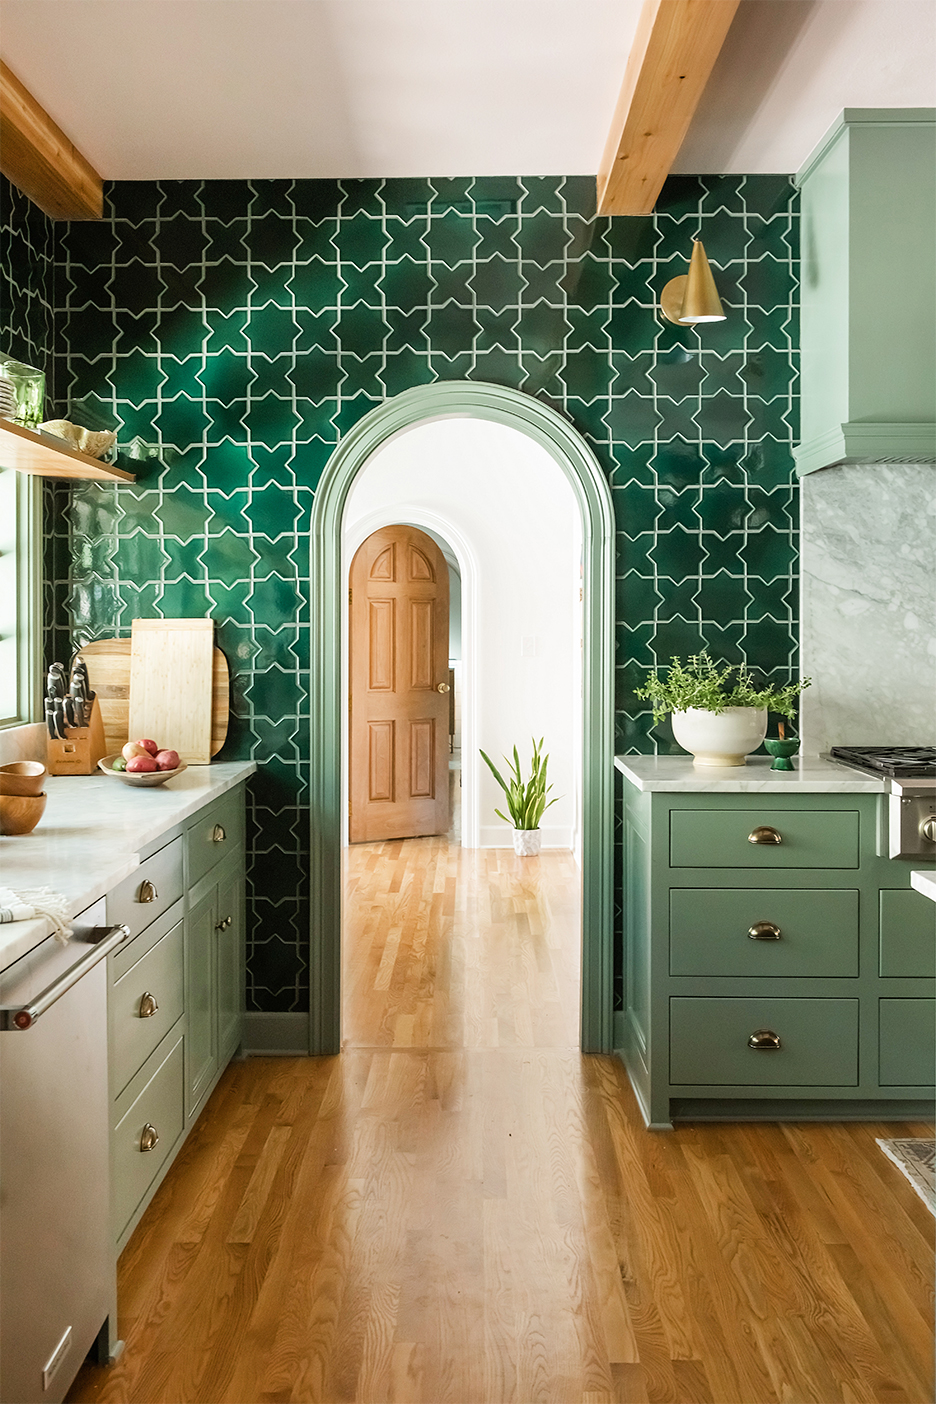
(144, 779)
(22, 778)
(19, 814)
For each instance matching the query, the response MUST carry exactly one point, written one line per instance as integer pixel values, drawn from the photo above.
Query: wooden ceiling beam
(674, 50)
(38, 158)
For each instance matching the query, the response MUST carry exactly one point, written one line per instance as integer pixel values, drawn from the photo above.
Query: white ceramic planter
(720, 738)
(527, 842)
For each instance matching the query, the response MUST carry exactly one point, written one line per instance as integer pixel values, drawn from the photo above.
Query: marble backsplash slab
(868, 563)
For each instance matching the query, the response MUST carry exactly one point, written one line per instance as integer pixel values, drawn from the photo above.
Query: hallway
(461, 1209)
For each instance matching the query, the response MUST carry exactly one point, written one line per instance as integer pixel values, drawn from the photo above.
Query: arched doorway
(569, 450)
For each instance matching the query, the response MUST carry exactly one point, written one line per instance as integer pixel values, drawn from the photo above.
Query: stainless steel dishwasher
(57, 1267)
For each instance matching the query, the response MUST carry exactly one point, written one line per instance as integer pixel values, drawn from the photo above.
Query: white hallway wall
(510, 515)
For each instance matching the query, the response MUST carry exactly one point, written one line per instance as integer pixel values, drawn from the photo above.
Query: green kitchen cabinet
(175, 995)
(768, 979)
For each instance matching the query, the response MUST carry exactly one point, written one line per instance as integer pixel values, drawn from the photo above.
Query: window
(20, 642)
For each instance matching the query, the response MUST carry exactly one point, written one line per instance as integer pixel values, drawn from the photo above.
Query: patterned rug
(916, 1160)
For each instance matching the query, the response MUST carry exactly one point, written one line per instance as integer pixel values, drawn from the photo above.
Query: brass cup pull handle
(764, 1040)
(217, 834)
(764, 834)
(764, 931)
(442, 687)
(223, 925)
(149, 1140)
(148, 1005)
(146, 892)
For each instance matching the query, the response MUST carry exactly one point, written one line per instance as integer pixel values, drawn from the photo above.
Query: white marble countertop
(925, 883)
(91, 835)
(811, 776)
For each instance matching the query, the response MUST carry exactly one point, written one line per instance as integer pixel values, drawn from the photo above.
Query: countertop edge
(812, 776)
(925, 883)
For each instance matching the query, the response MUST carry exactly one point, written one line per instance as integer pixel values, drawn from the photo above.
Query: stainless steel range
(909, 774)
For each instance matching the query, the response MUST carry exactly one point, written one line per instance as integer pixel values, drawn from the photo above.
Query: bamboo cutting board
(108, 662)
(170, 684)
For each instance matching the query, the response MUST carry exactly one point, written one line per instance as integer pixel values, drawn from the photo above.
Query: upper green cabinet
(868, 291)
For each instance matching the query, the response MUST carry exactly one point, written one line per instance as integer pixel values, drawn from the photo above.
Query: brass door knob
(146, 892)
(764, 834)
(442, 687)
(217, 834)
(764, 1040)
(148, 1005)
(764, 931)
(149, 1140)
(223, 925)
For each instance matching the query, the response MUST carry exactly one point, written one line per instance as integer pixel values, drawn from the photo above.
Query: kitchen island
(777, 964)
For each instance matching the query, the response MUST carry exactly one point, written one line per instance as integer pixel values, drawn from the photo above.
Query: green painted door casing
(908, 933)
(908, 1042)
(709, 932)
(818, 1037)
(720, 838)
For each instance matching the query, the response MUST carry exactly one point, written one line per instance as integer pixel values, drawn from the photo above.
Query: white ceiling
(187, 89)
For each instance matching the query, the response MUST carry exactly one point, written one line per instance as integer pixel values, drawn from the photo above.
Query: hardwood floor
(461, 1208)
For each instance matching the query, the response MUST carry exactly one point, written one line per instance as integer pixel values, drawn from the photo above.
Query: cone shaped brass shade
(693, 297)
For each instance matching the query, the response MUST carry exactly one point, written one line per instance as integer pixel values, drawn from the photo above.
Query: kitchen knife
(50, 718)
(59, 704)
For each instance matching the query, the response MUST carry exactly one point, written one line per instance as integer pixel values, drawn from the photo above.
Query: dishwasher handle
(22, 1017)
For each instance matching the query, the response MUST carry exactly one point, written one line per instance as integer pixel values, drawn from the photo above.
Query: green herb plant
(526, 799)
(711, 687)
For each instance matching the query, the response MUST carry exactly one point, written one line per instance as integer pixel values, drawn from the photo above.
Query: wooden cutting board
(170, 684)
(108, 663)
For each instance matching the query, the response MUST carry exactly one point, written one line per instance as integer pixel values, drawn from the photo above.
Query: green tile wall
(234, 330)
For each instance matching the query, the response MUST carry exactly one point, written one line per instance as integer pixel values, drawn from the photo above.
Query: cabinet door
(201, 1039)
(229, 943)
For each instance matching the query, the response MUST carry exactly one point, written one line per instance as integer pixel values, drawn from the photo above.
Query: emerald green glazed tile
(676, 638)
(542, 193)
(772, 599)
(316, 376)
(228, 558)
(580, 195)
(678, 602)
(726, 238)
(183, 559)
(180, 241)
(184, 599)
(182, 377)
(137, 377)
(722, 509)
(769, 463)
(182, 332)
(678, 374)
(450, 239)
(229, 602)
(723, 193)
(451, 329)
(181, 197)
(405, 368)
(316, 330)
(542, 328)
(405, 284)
(588, 329)
(723, 596)
(498, 329)
(587, 375)
(496, 284)
(451, 284)
(678, 464)
(275, 693)
(633, 328)
(361, 240)
(139, 557)
(361, 330)
(271, 330)
(767, 645)
(270, 239)
(632, 419)
(768, 419)
(315, 285)
(134, 287)
(632, 240)
(271, 285)
(226, 376)
(542, 239)
(677, 553)
(184, 514)
(363, 377)
(768, 283)
(94, 330)
(496, 240)
(181, 422)
(272, 420)
(768, 553)
(723, 418)
(274, 601)
(636, 596)
(769, 195)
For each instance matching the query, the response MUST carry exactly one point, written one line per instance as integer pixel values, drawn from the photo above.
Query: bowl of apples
(143, 763)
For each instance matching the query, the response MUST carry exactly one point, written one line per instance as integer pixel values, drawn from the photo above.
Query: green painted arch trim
(563, 442)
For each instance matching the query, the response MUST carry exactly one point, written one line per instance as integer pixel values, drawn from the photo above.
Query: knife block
(82, 748)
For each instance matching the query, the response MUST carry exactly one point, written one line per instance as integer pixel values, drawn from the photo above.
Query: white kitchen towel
(31, 902)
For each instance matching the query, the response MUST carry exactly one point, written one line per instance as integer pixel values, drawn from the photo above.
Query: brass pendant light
(692, 297)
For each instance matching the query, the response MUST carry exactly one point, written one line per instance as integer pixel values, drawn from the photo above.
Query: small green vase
(782, 750)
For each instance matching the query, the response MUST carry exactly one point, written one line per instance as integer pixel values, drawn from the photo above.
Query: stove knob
(928, 829)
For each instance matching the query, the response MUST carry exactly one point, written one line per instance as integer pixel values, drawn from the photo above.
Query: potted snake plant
(526, 799)
(719, 711)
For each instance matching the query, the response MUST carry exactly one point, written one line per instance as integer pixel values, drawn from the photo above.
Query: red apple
(133, 748)
(149, 747)
(168, 760)
(137, 764)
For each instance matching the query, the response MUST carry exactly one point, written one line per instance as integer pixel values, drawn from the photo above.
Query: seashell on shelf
(95, 443)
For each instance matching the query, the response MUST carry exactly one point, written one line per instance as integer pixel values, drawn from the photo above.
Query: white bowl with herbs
(718, 710)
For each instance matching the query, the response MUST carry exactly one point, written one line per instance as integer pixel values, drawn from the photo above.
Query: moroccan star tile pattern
(233, 331)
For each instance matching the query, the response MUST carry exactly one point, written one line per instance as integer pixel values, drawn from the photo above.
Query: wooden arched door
(398, 674)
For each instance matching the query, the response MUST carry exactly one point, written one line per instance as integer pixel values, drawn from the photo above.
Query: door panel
(398, 659)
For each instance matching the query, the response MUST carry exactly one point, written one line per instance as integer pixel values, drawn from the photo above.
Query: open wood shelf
(31, 452)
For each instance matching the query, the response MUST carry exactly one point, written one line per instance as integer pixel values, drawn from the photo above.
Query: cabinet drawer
(719, 838)
(158, 1104)
(157, 980)
(908, 1042)
(148, 891)
(908, 933)
(818, 1042)
(215, 833)
(709, 931)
